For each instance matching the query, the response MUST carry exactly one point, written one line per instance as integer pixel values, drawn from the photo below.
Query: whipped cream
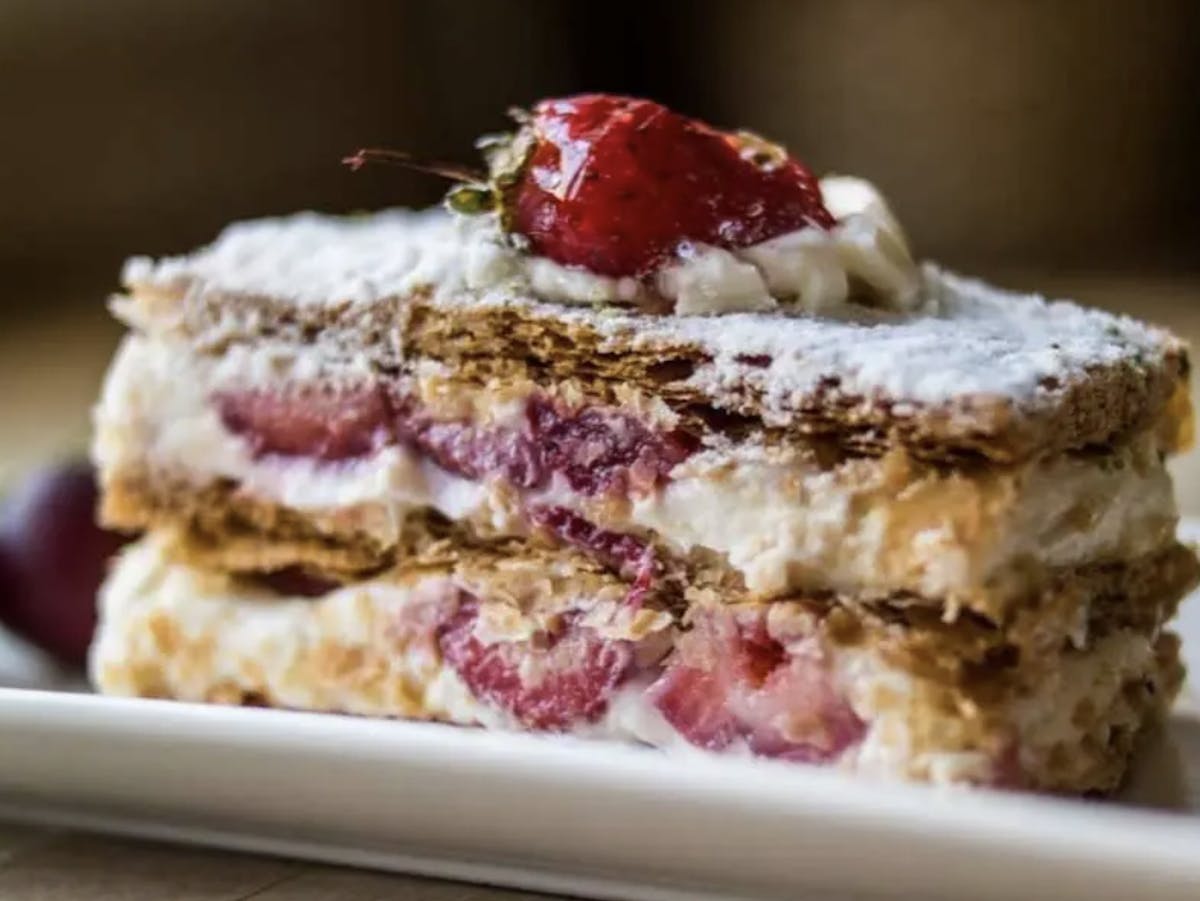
(864, 259)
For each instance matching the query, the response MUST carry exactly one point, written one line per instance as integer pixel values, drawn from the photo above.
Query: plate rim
(1091, 838)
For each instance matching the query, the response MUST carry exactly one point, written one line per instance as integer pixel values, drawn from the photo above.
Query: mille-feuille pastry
(651, 436)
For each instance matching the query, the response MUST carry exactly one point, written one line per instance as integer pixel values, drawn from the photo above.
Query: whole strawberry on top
(616, 184)
(626, 189)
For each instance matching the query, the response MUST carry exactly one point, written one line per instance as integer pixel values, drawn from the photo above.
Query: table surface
(50, 371)
(53, 865)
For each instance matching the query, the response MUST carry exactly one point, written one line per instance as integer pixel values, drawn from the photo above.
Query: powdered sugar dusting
(965, 337)
(311, 258)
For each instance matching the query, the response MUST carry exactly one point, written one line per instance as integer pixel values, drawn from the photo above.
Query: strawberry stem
(454, 171)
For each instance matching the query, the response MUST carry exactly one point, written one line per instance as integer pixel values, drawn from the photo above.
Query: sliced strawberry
(693, 702)
(757, 656)
(624, 553)
(729, 681)
(799, 715)
(602, 450)
(471, 451)
(311, 420)
(597, 450)
(549, 683)
(616, 184)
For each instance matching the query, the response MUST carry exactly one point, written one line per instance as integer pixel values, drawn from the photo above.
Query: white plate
(585, 818)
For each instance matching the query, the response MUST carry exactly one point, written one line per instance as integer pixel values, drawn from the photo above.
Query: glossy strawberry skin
(616, 184)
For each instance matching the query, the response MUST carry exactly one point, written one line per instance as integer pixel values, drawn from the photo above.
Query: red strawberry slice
(693, 701)
(597, 450)
(317, 420)
(549, 683)
(799, 715)
(471, 451)
(464, 448)
(624, 553)
(729, 681)
(616, 184)
(602, 450)
(713, 664)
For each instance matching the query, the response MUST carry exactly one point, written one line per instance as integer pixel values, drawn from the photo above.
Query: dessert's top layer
(972, 368)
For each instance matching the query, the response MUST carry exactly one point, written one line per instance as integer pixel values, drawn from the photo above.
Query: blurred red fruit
(53, 558)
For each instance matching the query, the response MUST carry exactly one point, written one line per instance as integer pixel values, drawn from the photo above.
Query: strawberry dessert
(650, 434)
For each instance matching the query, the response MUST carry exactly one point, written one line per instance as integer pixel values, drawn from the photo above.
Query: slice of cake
(652, 436)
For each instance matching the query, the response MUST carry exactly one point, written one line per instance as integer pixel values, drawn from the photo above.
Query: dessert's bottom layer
(534, 640)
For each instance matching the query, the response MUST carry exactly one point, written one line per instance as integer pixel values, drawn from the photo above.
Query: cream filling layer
(867, 524)
(886, 523)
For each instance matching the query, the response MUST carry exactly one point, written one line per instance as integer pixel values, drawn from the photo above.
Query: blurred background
(1044, 144)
